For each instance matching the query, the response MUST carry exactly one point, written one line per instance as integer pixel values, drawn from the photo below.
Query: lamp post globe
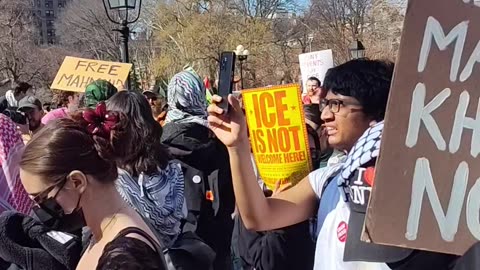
(357, 50)
(124, 8)
(240, 49)
(242, 55)
(122, 4)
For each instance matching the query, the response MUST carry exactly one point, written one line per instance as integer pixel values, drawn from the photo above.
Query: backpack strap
(134, 230)
(313, 220)
(196, 186)
(157, 247)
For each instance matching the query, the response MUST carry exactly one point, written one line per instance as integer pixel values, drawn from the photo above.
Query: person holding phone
(356, 100)
(31, 108)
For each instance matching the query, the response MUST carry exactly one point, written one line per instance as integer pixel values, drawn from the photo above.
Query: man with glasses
(356, 100)
(314, 91)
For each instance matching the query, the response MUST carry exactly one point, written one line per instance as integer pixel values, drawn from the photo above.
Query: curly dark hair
(60, 98)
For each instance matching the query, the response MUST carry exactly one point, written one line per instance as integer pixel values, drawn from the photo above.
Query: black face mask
(51, 214)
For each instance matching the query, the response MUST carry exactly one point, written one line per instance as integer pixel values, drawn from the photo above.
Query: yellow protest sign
(278, 133)
(76, 73)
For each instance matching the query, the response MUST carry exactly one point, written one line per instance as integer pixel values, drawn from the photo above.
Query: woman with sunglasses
(69, 170)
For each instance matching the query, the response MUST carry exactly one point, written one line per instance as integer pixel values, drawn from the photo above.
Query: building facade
(46, 11)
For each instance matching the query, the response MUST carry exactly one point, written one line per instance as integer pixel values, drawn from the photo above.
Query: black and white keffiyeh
(365, 150)
(158, 197)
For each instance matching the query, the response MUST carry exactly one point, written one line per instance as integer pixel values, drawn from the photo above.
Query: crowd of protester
(109, 179)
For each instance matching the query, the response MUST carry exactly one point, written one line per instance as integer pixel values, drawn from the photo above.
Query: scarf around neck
(12, 193)
(158, 197)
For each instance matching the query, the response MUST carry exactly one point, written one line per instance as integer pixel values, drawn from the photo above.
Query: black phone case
(225, 82)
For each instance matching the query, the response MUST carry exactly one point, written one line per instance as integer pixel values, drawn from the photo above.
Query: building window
(48, 5)
(51, 33)
(61, 4)
(49, 13)
(50, 23)
(39, 3)
(51, 41)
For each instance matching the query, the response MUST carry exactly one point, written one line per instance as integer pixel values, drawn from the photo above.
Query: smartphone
(225, 78)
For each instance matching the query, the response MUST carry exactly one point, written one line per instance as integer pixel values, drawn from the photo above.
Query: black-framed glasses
(42, 196)
(335, 104)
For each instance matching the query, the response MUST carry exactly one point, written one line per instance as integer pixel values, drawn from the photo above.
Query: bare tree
(261, 8)
(84, 27)
(16, 38)
(382, 35)
(20, 58)
(337, 23)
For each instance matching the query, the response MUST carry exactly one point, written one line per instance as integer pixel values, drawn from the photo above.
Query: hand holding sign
(229, 128)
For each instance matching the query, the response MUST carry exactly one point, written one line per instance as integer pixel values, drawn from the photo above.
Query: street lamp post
(124, 35)
(310, 40)
(123, 7)
(357, 50)
(242, 55)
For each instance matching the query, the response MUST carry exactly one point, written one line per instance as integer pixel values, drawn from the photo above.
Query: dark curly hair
(60, 98)
(366, 80)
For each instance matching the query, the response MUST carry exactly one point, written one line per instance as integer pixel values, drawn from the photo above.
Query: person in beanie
(97, 91)
(210, 198)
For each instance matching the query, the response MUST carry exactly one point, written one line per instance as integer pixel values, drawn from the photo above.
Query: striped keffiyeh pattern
(159, 198)
(187, 102)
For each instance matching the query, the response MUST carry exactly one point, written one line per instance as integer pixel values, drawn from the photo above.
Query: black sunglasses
(42, 196)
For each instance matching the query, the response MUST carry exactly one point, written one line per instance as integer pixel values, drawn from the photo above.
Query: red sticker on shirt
(342, 231)
(369, 175)
(209, 195)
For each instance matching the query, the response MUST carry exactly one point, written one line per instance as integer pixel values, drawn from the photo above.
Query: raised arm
(258, 213)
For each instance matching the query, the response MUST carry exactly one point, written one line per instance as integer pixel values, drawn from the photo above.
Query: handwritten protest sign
(76, 73)
(277, 133)
(315, 64)
(427, 189)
